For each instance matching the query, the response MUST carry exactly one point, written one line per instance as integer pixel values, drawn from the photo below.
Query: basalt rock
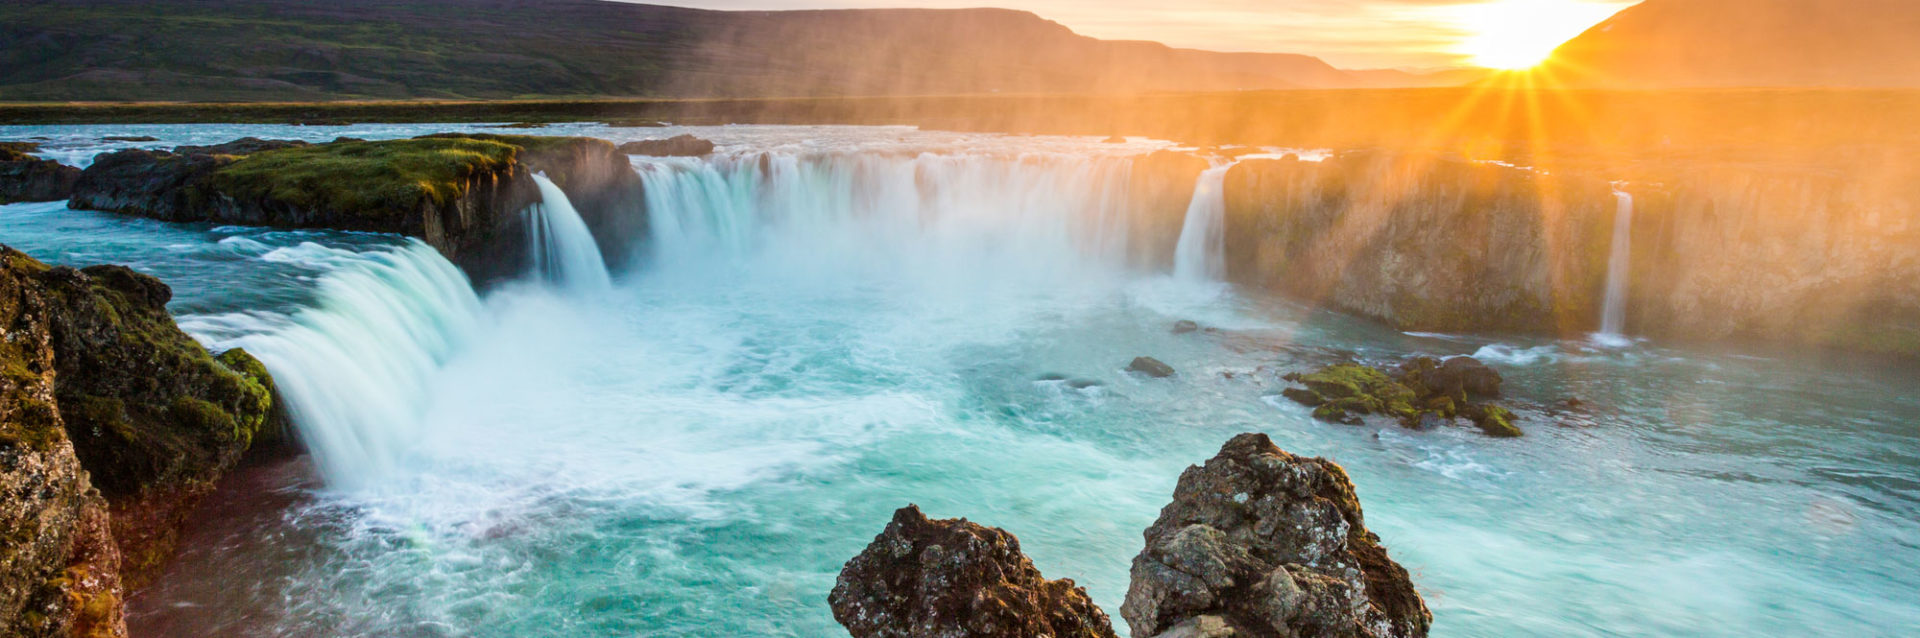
(25, 178)
(676, 146)
(923, 578)
(1151, 367)
(117, 425)
(1420, 393)
(1261, 543)
(461, 193)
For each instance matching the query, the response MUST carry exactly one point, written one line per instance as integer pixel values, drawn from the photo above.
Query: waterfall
(1026, 215)
(562, 248)
(354, 368)
(1613, 317)
(1199, 254)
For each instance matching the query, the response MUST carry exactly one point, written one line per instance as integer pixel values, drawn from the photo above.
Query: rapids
(867, 318)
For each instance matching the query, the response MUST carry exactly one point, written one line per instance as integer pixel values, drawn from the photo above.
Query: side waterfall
(354, 368)
(1199, 255)
(562, 248)
(1613, 317)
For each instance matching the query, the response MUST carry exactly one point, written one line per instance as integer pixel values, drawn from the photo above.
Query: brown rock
(1259, 542)
(956, 579)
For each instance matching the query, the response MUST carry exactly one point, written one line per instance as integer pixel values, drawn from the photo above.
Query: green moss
(1345, 389)
(1496, 421)
(205, 416)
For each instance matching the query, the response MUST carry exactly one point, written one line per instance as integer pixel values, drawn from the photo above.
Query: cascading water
(354, 368)
(1036, 214)
(562, 248)
(1199, 254)
(1613, 317)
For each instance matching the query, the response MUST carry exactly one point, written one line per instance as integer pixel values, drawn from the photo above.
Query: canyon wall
(1784, 254)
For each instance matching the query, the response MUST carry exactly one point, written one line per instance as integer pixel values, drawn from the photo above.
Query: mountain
(1749, 43)
(296, 50)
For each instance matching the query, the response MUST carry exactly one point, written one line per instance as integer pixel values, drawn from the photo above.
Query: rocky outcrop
(1423, 242)
(116, 425)
(462, 193)
(59, 566)
(1422, 392)
(25, 178)
(676, 146)
(1259, 542)
(923, 578)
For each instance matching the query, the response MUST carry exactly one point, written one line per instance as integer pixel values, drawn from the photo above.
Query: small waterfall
(1200, 254)
(1613, 317)
(562, 248)
(354, 369)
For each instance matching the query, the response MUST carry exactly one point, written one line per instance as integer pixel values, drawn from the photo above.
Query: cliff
(117, 425)
(1423, 242)
(462, 194)
(1786, 253)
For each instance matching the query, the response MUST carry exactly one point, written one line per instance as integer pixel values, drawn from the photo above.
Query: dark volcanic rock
(1151, 367)
(951, 578)
(1184, 326)
(242, 146)
(130, 138)
(676, 146)
(153, 184)
(1265, 543)
(25, 178)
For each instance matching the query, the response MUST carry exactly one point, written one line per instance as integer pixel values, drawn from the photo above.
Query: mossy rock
(1344, 392)
(1495, 421)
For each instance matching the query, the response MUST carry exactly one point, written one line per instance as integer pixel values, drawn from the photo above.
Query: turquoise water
(697, 450)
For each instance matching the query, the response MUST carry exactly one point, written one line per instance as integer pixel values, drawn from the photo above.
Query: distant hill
(296, 50)
(1749, 43)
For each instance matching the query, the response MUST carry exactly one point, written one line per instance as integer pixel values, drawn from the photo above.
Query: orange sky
(1352, 34)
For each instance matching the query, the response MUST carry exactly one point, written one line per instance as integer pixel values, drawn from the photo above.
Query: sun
(1520, 34)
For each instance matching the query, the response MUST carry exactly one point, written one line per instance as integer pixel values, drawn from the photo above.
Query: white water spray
(1613, 317)
(562, 247)
(354, 368)
(962, 215)
(1199, 256)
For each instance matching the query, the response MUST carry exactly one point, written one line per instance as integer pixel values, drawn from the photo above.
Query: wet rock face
(923, 578)
(676, 146)
(25, 178)
(153, 184)
(1259, 542)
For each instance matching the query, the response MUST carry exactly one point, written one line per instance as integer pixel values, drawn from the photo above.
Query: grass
(374, 178)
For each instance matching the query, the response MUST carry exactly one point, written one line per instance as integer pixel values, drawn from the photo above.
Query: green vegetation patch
(370, 179)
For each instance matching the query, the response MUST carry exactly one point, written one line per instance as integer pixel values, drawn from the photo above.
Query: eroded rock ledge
(461, 193)
(1257, 543)
(115, 425)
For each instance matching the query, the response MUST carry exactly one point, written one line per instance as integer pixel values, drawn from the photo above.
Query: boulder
(1259, 542)
(25, 178)
(1184, 326)
(1151, 367)
(676, 146)
(956, 579)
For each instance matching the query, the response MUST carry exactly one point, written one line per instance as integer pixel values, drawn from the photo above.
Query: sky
(1352, 34)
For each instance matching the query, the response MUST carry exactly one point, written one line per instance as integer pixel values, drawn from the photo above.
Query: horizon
(1358, 35)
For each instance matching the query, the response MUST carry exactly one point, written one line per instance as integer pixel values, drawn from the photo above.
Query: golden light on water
(1520, 34)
